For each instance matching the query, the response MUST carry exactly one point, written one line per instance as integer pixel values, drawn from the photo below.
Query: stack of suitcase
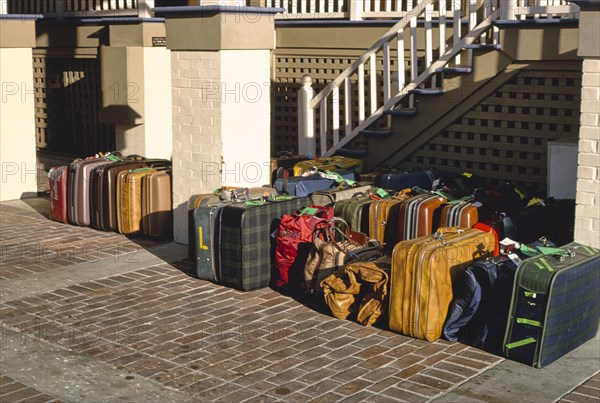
(109, 193)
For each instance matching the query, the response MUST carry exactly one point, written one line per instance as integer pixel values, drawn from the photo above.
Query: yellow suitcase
(328, 164)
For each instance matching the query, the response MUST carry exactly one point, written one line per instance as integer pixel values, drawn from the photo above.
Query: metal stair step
(427, 91)
(383, 132)
(487, 46)
(352, 152)
(455, 70)
(401, 112)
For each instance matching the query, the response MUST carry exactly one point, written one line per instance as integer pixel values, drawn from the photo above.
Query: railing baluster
(323, 125)
(401, 62)
(294, 6)
(376, 4)
(303, 6)
(361, 92)
(472, 24)
(388, 6)
(347, 106)
(312, 4)
(373, 81)
(386, 71)
(456, 12)
(414, 66)
(428, 38)
(330, 6)
(335, 114)
(340, 5)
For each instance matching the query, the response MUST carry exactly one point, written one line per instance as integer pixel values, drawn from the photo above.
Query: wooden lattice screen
(67, 94)
(505, 137)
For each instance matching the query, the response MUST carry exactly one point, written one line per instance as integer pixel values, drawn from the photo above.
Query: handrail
(415, 12)
(423, 77)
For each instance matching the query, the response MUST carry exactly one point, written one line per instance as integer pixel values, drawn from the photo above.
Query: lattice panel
(505, 137)
(67, 95)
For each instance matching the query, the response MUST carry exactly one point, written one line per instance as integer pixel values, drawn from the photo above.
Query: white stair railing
(404, 36)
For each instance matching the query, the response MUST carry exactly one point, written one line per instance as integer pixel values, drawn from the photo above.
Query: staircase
(396, 116)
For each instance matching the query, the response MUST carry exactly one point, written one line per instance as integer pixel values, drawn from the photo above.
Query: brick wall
(587, 223)
(197, 145)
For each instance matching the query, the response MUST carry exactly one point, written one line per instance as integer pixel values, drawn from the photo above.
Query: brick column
(17, 109)
(221, 99)
(587, 215)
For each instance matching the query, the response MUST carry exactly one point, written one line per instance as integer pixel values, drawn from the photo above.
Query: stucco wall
(17, 125)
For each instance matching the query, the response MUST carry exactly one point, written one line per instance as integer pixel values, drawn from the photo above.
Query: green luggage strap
(339, 179)
(382, 193)
(262, 201)
(142, 169)
(542, 264)
(255, 203)
(520, 343)
(530, 322)
(113, 158)
(309, 211)
(527, 251)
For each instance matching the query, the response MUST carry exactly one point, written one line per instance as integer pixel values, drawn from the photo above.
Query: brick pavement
(215, 343)
(13, 391)
(589, 391)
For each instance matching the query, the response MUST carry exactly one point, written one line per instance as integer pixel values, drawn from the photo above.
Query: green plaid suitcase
(246, 247)
(355, 212)
(555, 305)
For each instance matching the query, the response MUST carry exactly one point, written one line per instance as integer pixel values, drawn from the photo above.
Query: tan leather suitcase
(423, 272)
(157, 205)
(416, 216)
(129, 200)
(383, 212)
(462, 214)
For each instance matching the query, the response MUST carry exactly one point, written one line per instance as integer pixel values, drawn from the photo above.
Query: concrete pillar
(17, 109)
(136, 89)
(587, 214)
(221, 99)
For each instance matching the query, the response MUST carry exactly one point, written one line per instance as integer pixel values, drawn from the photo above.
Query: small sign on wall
(159, 41)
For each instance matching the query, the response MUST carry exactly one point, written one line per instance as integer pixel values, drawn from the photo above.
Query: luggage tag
(308, 211)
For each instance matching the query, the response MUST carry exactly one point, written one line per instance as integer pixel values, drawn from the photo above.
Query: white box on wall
(562, 168)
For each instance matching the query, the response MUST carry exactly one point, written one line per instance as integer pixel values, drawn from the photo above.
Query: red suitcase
(58, 193)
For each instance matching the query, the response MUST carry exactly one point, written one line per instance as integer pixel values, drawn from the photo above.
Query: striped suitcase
(416, 216)
(555, 305)
(423, 273)
(383, 212)
(78, 189)
(462, 214)
(246, 248)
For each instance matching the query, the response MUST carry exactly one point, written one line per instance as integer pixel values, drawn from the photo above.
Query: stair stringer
(435, 114)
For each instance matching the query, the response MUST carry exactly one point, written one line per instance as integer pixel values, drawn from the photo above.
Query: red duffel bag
(294, 239)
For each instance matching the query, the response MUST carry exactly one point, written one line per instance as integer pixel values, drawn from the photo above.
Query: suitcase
(402, 180)
(103, 197)
(487, 228)
(157, 205)
(555, 305)
(281, 165)
(206, 221)
(301, 186)
(193, 203)
(335, 163)
(384, 212)
(78, 189)
(129, 200)
(330, 196)
(553, 219)
(423, 271)
(355, 212)
(58, 193)
(462, 214)
(415, 218)
(246, 248)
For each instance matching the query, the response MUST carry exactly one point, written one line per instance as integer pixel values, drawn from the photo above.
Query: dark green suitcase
(355, 212)
(555, 305)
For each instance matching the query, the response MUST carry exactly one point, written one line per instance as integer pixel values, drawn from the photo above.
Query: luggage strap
(530, 322)
(520, 343)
